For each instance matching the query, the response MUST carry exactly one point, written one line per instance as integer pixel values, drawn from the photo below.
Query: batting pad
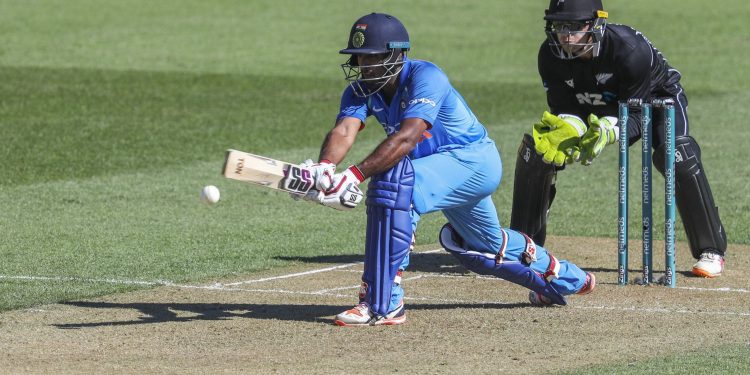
(389, 232)
(488, 264)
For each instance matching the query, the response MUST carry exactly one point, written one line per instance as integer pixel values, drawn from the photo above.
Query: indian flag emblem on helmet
(358, 39)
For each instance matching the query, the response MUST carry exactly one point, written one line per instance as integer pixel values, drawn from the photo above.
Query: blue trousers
(460, 182)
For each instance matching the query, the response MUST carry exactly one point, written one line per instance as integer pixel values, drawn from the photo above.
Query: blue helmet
(375, 33)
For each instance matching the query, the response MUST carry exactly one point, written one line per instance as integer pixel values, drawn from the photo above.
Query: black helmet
(575, 17)
(573, 10)
(375, 33)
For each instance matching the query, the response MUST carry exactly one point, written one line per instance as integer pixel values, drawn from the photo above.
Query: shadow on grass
(175, 312)
(419, 262)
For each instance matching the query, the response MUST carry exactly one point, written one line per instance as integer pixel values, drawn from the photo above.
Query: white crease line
(714, 289)
(86, 280)
(223, 287)
(294, 274)
(317, 271)
(326, 291)
(458, 301)
(170, 283)
(662, 310)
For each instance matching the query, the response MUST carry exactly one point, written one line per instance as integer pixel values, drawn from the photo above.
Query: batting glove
(557, 138)
(601, 132)
(312, 194)
(322, 173)
(344, 193)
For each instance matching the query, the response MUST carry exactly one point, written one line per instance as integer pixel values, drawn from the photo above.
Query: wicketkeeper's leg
(695, 201)
(533, 192)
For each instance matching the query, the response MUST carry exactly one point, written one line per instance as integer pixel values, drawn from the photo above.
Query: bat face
(271, 173)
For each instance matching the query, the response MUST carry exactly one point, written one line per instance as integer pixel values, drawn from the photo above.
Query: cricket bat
(263, 171)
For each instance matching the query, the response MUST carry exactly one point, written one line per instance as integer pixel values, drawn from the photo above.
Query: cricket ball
(210, 194)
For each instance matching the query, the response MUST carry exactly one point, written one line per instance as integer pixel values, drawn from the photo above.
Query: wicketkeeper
(436, 157)
(587, 66)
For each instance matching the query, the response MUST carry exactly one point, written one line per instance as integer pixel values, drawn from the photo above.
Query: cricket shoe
(537, 299)
(589, 285)
(709, 265)
(361, 315)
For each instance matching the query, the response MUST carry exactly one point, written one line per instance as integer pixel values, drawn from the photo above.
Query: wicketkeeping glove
(344, 193)
(602, 131)
(557, 138)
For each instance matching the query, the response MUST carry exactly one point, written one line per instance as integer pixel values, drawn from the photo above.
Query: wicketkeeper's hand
(557, 138)
(602, 131)
(344, 193)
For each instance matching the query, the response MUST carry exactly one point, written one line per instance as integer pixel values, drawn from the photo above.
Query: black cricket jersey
(628, 66)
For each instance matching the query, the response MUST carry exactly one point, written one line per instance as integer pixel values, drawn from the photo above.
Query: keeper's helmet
(585, 18)
(375, 34)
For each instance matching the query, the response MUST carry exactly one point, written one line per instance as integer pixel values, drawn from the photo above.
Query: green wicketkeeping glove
(602, 131)
(557, 138)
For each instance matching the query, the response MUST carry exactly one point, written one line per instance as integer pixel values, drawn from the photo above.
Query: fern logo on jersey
(602, 78)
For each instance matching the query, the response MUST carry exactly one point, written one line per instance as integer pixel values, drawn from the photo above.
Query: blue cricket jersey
(424, 92)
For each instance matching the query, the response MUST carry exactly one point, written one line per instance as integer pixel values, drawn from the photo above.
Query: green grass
(114, 114)
(720, 360)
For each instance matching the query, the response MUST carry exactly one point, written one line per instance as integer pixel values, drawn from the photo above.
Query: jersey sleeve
(353, 106)
(426, 89)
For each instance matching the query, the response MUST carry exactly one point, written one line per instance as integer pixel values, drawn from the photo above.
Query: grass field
(114, 114)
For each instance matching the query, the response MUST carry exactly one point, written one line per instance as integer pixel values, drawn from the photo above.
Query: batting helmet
(375, 34)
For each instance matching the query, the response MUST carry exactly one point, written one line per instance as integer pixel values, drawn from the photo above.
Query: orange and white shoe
(361, 315)
(589, 285)
(709, 265)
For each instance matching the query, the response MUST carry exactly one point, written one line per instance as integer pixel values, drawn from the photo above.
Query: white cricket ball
(210, 194)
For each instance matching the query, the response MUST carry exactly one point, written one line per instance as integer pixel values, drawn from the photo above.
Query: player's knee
(687, 156)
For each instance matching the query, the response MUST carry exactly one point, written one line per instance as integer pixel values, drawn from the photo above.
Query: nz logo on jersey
(590, 99)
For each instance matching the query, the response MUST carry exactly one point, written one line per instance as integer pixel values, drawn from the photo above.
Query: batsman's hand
(557, 138)
(602, 131)
(322, 173)
(312, 194)
(344, 193)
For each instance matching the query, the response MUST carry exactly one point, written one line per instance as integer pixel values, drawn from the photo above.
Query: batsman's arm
(394, 148)
(340, 139)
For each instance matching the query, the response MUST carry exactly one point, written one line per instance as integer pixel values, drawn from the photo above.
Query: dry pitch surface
(280, 321)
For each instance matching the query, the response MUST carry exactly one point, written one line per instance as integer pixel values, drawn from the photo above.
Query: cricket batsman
(436, 156)
(587, 66)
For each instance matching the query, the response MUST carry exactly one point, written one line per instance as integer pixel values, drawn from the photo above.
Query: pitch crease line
(88, 280)
(314, 271)
(444, 300)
